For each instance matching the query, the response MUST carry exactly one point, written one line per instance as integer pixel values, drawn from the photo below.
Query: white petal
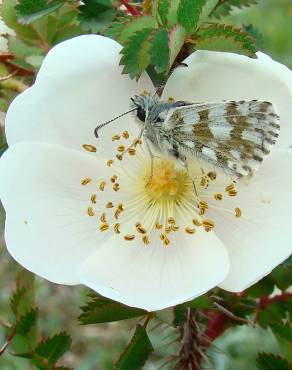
(261, 239)
(47, 229)
(214, 76)
(79, 86)
(154, 277)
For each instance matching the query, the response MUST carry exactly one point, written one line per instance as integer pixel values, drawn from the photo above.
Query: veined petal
(154, 277)
(79, 86)
(260, 238)
(46, 190)
(215, 76)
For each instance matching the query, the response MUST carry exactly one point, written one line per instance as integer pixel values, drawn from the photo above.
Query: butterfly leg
(185, 164)
(152, 156)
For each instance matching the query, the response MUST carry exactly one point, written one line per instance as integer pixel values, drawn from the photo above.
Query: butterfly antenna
(106, 123)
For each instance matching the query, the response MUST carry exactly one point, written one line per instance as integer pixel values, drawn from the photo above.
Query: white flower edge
(215, 76)
(79, 86)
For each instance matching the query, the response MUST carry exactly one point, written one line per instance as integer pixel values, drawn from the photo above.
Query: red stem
(131, 9)
(265, 301)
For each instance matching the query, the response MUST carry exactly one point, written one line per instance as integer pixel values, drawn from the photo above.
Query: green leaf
(282, 277)
(179, 314)
(8, 14)
(172, 13)
(176, 41)
(131, 26)
(162, 11)
(188, 14)
(28, 11)
(283, 330)
(101, 310)
(200, 303)
(3, 149)
(137, 352)
(136, 56)
(269, 361)
(225, 7)
(95, 15)
(160, 51)
(283, 334)
(16, 300)
(53, 348)
(21, 49)
(26, 322)
(220, 37)
(264, 287)
(275, 312)
(207, 8)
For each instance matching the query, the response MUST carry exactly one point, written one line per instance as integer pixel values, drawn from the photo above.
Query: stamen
(93, 198)
(190, 230)
(212, 175)
(165, 239)
(132, 151)
(102, 185)
(116, 186)
(197, 222)
(125, 135)
(158, 225)
(85, 181)
(129, 237)
(114, 178)
(89, 148)
(137, 141)
(103, 217)
(145, 239)
(141, 230)
(104, 227)
(232, 193)
(90, 211)
(117, 228)
(116, 137)
(171, 221)
(109, 205)
(109, 162)
(218, 196)
(238, 212)
(229, 188)
(119, 156)
(208, 225)
(121, 148)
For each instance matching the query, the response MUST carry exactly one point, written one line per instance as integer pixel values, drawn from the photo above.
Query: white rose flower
(76, 214)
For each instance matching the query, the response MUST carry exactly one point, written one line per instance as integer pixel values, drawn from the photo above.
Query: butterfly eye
(141, 114)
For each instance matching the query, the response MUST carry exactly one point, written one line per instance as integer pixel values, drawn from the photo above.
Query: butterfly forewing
(233, 135)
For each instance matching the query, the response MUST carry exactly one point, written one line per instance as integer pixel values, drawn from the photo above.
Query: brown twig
(131, 9)
(6, 344)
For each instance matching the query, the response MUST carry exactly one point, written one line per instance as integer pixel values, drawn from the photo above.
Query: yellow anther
(89, 148)
(102, 185)
(118, 211)
(129, 237)
(138, 224)
(212, 175)
(145, 239)
(132, 151)
(197, 222)
(171, 220)
(116, 137)
(120, 207)
(218, 196)
(208, 225)
(141, 230)
(165, 239)
(121, 148)
(137, 141)
(109, 162)
(114, 178)
(146, 93)
(232, 193)
(117, 228)
(189, 230)
(90, 211)
(202, 211)
(203, 181)
(119, 156)
(174, 228)
(168, 229)
(203, 205)
(103, 217)
(85, 181)
(229, 188)
(104, 226)
(116, 186)
(125, 135)
(158, 225)
(170, 98)
(93, 198)
(238, 212)
(109, 205)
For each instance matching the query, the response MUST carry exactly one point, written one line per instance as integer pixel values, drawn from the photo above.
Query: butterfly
(234, 136)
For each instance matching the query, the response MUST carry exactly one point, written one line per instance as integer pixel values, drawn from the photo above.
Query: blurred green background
(97, 347)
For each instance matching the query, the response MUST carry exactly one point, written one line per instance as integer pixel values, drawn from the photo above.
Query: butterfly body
(232, 135)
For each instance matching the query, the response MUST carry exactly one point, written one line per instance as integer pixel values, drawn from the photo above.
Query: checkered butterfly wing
(233, 135)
